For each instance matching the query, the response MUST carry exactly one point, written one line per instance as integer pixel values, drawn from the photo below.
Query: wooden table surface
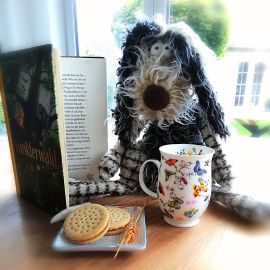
(220, 241)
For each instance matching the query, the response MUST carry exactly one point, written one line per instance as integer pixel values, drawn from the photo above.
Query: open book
(55, 110)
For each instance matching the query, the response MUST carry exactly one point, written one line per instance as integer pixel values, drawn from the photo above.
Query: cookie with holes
(119, 218)
(87, 224)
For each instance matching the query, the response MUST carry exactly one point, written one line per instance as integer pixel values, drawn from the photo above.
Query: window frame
(241, 84)
(153, 7)
(249, 84)
(72, 39)
(256, 88)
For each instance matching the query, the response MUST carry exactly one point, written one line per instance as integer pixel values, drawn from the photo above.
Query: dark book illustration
(28, 92)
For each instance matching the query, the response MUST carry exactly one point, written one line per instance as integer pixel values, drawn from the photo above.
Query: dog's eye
(166, 48)
(156, 48)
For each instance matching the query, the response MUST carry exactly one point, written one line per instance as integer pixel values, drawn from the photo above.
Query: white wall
(26, 23)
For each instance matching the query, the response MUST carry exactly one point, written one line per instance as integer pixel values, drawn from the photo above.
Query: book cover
(28, 92)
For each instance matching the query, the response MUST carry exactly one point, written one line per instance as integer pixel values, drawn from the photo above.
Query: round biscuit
(86, 222)
(118, 217)
(92, 240)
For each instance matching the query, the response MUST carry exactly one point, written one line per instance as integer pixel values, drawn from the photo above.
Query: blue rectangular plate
(106, 243)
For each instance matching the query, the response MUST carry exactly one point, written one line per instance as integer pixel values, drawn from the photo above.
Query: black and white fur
(175, 59)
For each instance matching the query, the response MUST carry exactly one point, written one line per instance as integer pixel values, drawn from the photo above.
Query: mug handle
(141, 181)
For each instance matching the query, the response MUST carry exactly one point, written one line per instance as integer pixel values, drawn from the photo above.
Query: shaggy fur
(174, 59)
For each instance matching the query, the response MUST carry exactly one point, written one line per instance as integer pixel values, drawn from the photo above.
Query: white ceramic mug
(184, 182)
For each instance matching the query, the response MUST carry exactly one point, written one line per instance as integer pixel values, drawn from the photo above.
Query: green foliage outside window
(267, 105)
(2, 118)
(124, 19)
(209, 18)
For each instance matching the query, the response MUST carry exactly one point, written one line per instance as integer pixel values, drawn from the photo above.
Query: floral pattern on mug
(190, 213)
(180, 218)
(160, 189)
(183, 174)
(190, 202)
(175, 203)
(167, 213)
(168, 174)
(202, 187)
(190, 152)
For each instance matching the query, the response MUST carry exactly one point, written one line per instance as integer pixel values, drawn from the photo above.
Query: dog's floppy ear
(127, 127)
(194, 55)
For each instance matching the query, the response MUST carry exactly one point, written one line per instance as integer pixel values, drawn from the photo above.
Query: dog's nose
(156, 97)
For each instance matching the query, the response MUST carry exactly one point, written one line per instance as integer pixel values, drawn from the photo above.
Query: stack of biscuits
(91, 222)
(119, 218)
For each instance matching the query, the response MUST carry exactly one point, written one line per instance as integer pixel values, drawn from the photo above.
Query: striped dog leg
(243, 205)
(110, 162)
(81, 191)
(130, 167)
(129, 162)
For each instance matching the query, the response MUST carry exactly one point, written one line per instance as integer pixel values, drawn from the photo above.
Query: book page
(85, 106)
(61, 120)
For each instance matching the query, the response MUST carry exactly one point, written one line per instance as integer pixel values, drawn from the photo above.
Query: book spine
(11, 146)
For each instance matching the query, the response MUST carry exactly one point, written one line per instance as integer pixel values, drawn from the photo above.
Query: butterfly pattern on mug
(171, 162)
(198, 169)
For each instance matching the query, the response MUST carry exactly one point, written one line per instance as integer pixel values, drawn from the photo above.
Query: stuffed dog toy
(164, 96)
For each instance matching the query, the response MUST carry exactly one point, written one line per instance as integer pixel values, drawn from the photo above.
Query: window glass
(257, 83)
(241, 84)
(102, 27)
(235, 31)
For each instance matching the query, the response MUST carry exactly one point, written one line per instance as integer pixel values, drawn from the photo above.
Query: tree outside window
(209, 18)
